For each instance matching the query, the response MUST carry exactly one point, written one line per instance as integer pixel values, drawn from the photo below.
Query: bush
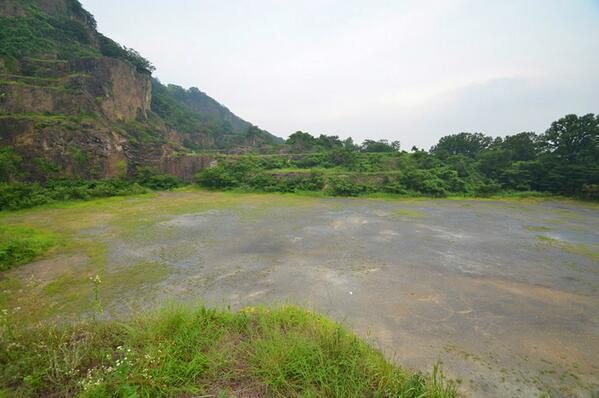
(110, 48)
(263, 182)
(590, 191)
(344, 186)
(10, 162)
(488, 188)
(395, 188)
(21, 195)
(149, 177)
(425, 182)
(300, 182)
(216, 177)
(15, 196)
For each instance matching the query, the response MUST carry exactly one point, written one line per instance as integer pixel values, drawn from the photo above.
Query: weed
(97, 282)
(182, 351)
(20, 245)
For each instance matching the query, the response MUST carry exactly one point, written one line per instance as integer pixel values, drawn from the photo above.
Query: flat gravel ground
(504, 293)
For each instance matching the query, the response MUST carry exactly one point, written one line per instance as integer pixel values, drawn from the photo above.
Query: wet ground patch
(505, 293)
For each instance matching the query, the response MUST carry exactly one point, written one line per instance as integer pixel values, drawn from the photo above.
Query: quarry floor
(504, 293)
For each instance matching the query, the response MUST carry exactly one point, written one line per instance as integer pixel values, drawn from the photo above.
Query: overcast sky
(412, 70)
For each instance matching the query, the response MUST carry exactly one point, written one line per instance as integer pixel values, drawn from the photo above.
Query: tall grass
(20, 245)
(184, 352)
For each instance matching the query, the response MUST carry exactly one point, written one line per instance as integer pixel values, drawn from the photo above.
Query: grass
(183, 351)
(20, 245)
(408, 213)
(589, 251)
(537, 228)
(254, 352)
(50, 118)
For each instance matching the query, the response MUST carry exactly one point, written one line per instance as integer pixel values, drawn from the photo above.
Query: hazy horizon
(401, 70)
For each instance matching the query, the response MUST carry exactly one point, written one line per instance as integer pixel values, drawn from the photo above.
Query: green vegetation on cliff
(37, 33)
(51, 50)
(59, 30)
(185, 351)
(203, 122)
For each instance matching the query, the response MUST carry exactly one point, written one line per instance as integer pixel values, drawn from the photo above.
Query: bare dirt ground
(504, 293)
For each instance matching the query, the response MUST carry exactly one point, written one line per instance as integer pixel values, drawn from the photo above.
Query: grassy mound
(187, 352)
(20, 245)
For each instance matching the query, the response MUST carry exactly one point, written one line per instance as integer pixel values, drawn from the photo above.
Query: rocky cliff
(75, 103)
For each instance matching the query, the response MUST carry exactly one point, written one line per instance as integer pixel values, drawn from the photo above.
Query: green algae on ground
(186, 351)
(537, 228)
(589, 251)
(408, 213)
(248, 248)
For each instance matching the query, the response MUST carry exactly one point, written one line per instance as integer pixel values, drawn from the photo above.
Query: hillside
(74, 102)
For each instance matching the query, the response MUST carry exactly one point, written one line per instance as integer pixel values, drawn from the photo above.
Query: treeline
(562, 161)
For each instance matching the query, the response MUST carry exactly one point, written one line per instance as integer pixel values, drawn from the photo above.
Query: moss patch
(409, 213)
(580, 249)
(537, 228)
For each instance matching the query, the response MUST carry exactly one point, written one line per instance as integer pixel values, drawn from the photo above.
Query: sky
(407, 70)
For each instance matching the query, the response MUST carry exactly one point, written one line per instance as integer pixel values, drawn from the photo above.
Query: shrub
(10, 162)
(149, 177)
(300, 182)
(21, 195)
(15, 196)
(216, 177)
(395, 188)
(344, 186)
(590, 191)
(263, 181)
(488, 188)
(425, 182)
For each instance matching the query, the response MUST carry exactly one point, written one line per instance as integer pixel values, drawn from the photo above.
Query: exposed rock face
(90, 151)
(11, 9)
(123, 93)
(186, 166)
(67, 110)
(21, 98)
(73, 122)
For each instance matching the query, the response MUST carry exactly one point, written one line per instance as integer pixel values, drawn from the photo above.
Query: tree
(301, 141)
(379, 146)
(492, 163)
(573, 138)
(348, 145)
(523, 146)
(254, 135)
(110, 48)
(328, 142)
(467, 144)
